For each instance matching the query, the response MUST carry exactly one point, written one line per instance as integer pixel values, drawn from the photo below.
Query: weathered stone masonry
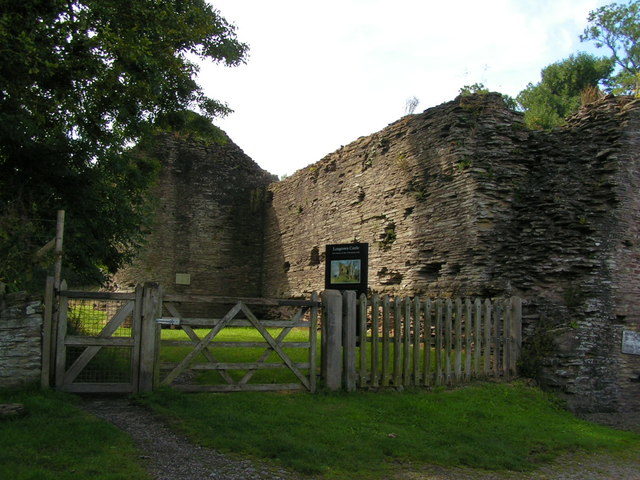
(208, 222)
(20, 340)
(411, 191)
(458, 200)
(463, 200)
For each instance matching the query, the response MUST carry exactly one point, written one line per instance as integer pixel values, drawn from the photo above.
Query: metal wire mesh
(88, 317)
(109, 365)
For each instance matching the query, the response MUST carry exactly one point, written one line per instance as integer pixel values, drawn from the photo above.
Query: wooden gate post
(349, 339)
(516, 332)
(332, 340)
(149, 337)
(61, 332)
(47, 337)
(57, 274)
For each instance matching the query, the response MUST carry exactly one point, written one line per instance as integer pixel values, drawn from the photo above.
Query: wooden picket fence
(425, 342)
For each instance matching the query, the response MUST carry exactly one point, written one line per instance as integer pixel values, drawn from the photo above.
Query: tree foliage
(617, 28)
(557, 95)
(481, 89)
(472, 89)
(80, 82)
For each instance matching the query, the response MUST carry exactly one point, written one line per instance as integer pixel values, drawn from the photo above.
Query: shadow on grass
(56, 440)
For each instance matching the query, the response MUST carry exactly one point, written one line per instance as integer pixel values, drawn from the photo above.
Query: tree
(617, 27)
(473, 89)
(557, 95)
(80, 82)
(410, 105)
(481, 89)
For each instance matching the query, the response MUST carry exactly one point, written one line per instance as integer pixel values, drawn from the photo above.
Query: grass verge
(362, 435)
(56, 440)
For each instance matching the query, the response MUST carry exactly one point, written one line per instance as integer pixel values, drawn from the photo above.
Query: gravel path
(170, 456)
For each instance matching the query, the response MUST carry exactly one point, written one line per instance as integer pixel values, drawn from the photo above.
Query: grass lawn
(58, 441)
(363, 435)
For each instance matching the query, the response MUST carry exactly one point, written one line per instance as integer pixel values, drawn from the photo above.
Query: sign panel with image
(345, 271)
(346, 267)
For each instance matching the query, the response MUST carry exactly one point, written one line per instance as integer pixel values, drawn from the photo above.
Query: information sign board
(347, 267)
(631, 342)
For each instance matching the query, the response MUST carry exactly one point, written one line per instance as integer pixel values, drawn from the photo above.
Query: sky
(321, 74)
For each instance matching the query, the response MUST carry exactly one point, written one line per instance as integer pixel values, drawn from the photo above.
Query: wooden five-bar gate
(112, 342)
(304, 316)
(137, 341)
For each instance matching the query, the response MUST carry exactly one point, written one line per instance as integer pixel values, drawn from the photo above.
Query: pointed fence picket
(424, 342)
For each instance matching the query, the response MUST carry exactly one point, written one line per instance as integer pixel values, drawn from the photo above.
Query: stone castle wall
(626, 260)
(561, 247)
(208, 222)
(409, 191)
(463, 200)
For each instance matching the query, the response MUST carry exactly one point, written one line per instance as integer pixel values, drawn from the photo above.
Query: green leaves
(557, 95)
(80, 81)
(617, 28)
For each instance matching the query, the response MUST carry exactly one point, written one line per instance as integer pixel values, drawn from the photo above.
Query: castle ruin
(460, 200)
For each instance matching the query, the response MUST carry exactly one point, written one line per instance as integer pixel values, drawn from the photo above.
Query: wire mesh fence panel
(98, 342)
(89, 317)
(108, 365)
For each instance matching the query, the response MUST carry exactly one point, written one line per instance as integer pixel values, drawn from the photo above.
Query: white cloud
(321, 74)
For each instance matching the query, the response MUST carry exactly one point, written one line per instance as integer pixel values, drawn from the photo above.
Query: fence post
(61, 332)
(313, 338)
(349, 339)
(151, 309)
(57, 274)
(362, 364)
(136, 330)
(332, 339)
(47, 337)
(516, 331)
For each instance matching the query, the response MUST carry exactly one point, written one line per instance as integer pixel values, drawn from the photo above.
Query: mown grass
(83, 317)
(56, 440)
(362, 435)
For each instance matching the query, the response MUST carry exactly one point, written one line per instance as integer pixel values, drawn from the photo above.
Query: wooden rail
(275, 302)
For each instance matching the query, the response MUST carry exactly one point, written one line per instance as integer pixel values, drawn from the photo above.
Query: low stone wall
(20, 340)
